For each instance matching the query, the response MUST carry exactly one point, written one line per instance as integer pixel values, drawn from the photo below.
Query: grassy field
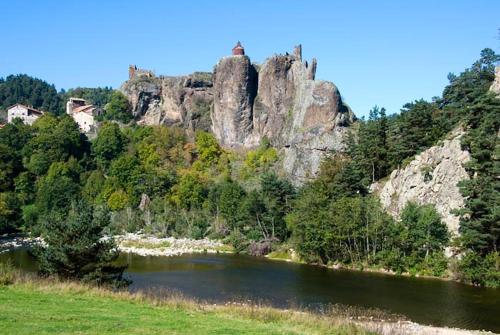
(50, 307)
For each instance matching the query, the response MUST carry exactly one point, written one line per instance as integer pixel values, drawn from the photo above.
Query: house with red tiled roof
(23, 112)
(84, 114)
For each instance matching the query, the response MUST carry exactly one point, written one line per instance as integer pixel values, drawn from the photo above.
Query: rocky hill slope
(242, 103)
(183, 101)
(430, 178)
(495, 87)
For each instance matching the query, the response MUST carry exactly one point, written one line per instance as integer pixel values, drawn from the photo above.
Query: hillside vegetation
(159, 180)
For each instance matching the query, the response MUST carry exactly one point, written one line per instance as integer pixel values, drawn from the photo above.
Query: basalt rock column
(235, 87)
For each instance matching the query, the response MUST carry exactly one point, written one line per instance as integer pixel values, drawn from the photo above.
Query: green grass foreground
(34, 306)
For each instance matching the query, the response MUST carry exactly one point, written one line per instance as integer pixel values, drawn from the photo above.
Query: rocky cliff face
(183, 101)
(495, 87)
(303, 117)
(281, 100)
(431, 178)
(235, 88)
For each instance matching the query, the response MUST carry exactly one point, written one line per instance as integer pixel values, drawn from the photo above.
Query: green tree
(10, 167)
(308, 222)
(411, 132)
(118, 200)
(190, 191)
(59, 187)
(109, 144)
(208, 149)
(118, 108)
(371, 148)
(277, 196)
(29, 91)
(54, 140)
(9, 213)
(226, 200)
(93, 187)
(76, 246)
(425, 232)
(480, 219)
(99, 96)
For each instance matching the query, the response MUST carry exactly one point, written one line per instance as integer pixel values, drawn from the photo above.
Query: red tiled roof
(84, 109)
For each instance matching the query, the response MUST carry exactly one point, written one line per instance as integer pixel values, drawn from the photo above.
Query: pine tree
(480, 220)
(75, 246)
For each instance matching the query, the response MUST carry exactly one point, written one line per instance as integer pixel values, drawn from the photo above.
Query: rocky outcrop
(495, 87)
(280, 100)
(301, 116)
(430, 178)
(183, 101)
(235, 88)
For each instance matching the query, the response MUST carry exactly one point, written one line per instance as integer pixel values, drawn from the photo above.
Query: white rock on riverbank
(408, 327)
(9, 242)
(169, 246)
(139, 244)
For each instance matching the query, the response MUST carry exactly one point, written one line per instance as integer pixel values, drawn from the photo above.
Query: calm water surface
(218, 278)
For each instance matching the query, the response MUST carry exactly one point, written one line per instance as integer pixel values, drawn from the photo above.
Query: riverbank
(29, 304)
(148, 245)
(291, 256)
(140, 244)
(145, 245)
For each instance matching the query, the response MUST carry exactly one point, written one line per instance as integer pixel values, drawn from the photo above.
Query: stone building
(135, 72)
(83, 114)
(238, 50)
(25, 113)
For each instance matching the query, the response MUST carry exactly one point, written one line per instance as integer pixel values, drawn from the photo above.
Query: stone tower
(238, 50)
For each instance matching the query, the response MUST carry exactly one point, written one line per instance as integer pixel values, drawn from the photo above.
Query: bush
(126, 220)
(392, 260)
(436, 264)
(7, 273)
(260, 248)
(238, 241)
(479, 270)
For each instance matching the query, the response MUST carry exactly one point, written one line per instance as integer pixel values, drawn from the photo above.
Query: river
(219, 278)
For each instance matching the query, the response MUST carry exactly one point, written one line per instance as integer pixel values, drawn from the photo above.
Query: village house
(83, 114)
(25, 113)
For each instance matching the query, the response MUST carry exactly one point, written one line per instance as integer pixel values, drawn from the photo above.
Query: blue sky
(381, 53)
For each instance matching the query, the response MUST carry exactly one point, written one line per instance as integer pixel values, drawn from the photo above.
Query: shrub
(479, 270)
(7, 273)
(238, 241)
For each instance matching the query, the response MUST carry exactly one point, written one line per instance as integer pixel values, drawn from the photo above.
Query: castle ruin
(135, 72)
